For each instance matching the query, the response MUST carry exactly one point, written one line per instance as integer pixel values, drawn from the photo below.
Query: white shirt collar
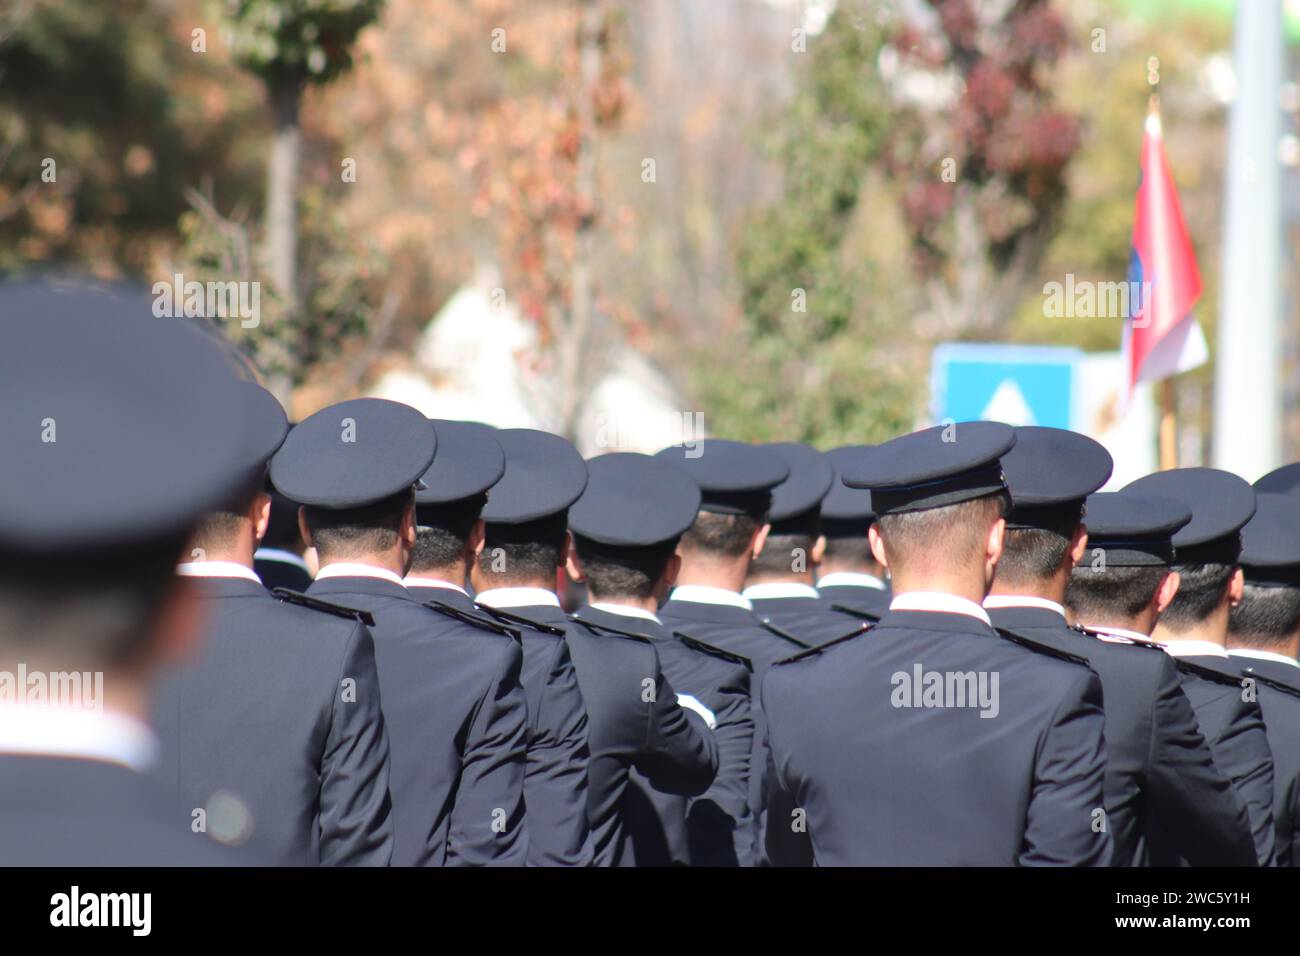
(1023, 600)
(1192, 648)
(85, 733)
(938, 601)
(857, 579)
(1118, 635)
(1262, 655)
(216, 569)
(626, 610)
(281, 555)
(517, 597)
(707, 594)
(355, 569)
(416, 581)
(779, 589)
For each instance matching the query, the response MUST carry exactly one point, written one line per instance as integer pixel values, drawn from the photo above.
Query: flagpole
(1167, 436)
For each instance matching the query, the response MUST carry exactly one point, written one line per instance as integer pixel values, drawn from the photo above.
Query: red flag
(1161, 336)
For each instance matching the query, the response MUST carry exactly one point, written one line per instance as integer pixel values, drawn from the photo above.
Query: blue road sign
(1016, 384)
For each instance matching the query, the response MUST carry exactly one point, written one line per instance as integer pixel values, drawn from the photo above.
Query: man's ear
(566, 549)
(1078, 545)
(877, 545)
(477, 538)
(759, 540)
(407, 528)
(671, 570)
(818, 550)
(1236, 587)
(260, 514)
(1165, 593)
(303, 530)
(993, 544)
(573, 564)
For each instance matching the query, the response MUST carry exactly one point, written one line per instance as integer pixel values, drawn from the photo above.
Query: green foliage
(344, 274)
(816, 363)
(290, 43)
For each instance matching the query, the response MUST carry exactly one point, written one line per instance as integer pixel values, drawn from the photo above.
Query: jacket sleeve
(719, 825)
(1242, 752)
(1190, 797)
(356, 826)
(784, 832)
(680, 754)
(487, 825)
(1066, 792)
(555, 784)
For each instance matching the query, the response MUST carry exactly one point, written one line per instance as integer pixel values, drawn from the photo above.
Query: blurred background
(764, 219)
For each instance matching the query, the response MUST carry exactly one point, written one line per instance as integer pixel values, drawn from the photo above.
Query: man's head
(1123, 579)
(1206, 549)
(231, 532)
(846, 514)
(96, 504)
(1268, 615)
(941, 500)
(794, 544)
(526, 515)
(354, 468)
(1049, 473)
(450, 529)
(626, 528)
(736, 483)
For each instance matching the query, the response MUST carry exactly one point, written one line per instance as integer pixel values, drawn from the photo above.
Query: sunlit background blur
(597, 216)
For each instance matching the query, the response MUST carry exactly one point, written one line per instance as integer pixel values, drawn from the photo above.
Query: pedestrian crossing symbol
(1019, 385)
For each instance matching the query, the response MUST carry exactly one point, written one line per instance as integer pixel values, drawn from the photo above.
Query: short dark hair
(282, 530)
(218, 529)
(789, 537)
(622, 572)
(1032, 554)
(1266, 617)
(85, 611)
(529, 551)
(1201, 589)
(953, 531)
(725, 535)
(370, 528)
(443, 530)
(1103, 591)
(850, 549)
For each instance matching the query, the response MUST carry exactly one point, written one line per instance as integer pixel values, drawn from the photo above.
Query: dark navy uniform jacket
(808, 616)
(60, 811)
(738, 630)
(633, 722)
(1278, 688)
(866, 774)
(555, 783)
(278, 572)
(457, 726)
(1164, 795)
(715, 828)
(280, 707)
(863, 599)
(1234, 727)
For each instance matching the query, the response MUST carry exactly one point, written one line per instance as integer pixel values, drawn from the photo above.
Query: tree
(290, 45)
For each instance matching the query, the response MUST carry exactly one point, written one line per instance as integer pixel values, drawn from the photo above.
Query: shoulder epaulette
(519, 620)
(1039, 647)
(1121, 640)
(785, 635)
(475, 620)
(856, 612)
(1209, 673)
(814, 651)
(1272, 682)
(606, 629)
(290, 596)
(698, 645)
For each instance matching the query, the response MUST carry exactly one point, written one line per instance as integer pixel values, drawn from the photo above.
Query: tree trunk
(282, 216)
(574, 343)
